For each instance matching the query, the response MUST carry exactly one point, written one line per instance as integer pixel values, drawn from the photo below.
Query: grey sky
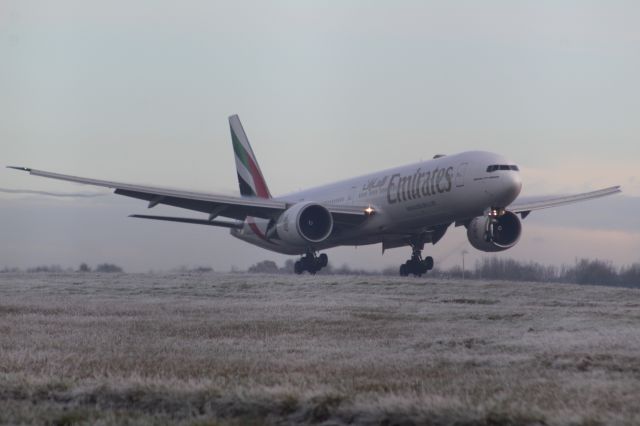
(141, 91)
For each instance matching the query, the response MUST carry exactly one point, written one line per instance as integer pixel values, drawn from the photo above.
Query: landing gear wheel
(428, 263)
(311, 263)
(416, 265)
(403, 271)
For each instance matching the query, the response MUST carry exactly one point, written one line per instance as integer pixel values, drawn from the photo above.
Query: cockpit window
(496, 167)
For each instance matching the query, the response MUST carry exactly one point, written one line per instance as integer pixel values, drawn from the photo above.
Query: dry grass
(246, 349)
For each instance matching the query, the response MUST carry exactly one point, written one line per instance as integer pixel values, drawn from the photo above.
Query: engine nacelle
(304, 223)
(494, 234)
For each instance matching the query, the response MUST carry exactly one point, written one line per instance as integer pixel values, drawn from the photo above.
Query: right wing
(231, 225)
(212, 204)
(526, 205)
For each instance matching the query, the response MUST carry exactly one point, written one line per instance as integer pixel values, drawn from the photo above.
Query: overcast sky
(141, 91)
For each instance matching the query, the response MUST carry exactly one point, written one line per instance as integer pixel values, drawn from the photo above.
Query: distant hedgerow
(108, 267)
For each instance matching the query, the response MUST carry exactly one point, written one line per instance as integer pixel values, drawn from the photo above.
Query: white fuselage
(408, 200)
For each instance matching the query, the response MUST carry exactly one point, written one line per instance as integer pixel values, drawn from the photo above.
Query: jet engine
(493, 234)
(304, 223)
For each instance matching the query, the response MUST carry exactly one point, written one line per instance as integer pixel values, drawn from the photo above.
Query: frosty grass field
(251, 349)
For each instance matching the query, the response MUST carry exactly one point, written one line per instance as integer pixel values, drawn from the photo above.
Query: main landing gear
(416, 265)
(310, 263)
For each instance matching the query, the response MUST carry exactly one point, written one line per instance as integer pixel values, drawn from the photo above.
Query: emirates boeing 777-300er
(404, 206)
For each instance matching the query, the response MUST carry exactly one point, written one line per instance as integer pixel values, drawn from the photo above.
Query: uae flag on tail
(250, 179)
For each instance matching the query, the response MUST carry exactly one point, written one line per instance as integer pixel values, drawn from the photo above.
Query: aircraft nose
(510, 187)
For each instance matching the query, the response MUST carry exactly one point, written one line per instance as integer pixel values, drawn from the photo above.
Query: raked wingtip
(24, 169)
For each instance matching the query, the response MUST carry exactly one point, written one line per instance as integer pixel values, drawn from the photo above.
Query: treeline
(193, 270)
(100, 268)
(584, 271)
(271, 267)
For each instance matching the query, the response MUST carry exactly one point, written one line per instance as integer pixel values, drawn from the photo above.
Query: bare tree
(265, 267)
(108, 268)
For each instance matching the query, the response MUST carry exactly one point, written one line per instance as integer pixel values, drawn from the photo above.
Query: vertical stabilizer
(252, 183)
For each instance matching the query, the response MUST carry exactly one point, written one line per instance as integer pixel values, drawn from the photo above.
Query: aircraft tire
(428, 263)
(298, 268)
(404, 270)
(323, 260)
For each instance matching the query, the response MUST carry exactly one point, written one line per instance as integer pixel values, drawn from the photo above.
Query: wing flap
(195, 221)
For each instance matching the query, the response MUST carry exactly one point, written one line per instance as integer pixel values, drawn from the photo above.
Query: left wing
(526, 205)
(213, 204)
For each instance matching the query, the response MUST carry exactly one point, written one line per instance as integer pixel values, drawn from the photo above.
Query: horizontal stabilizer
(233, 225)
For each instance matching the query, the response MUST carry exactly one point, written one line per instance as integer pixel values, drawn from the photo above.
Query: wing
(213, 204)
(526, 205)
(223, 224)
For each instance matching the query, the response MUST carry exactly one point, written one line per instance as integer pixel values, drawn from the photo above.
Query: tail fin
(252, 183)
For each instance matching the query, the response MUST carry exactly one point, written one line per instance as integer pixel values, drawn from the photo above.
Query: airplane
(412, 205)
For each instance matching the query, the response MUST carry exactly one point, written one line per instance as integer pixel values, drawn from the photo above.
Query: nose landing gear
(416, 265)
(310, 263)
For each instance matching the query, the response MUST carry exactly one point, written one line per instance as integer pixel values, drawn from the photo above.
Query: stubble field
(248, 349)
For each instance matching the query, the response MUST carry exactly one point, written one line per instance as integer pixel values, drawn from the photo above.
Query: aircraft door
(462, 168)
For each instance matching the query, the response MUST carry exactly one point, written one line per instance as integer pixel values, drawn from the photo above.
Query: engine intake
(305, 223)
(494, 234)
